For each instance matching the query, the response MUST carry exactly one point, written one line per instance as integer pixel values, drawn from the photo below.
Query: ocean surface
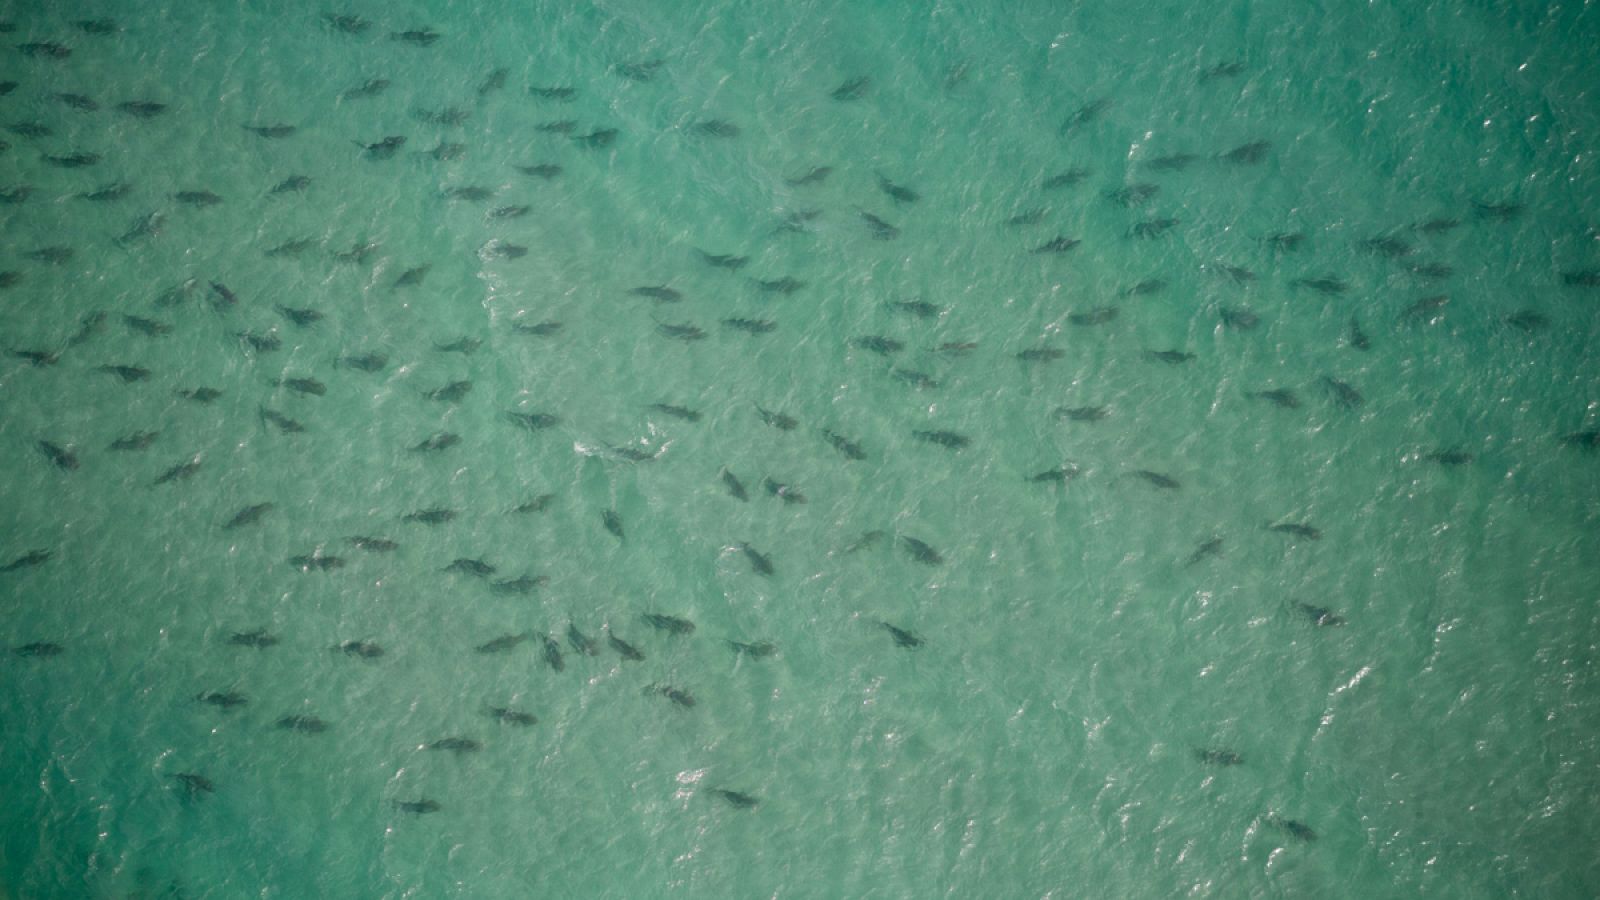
(1103, 450)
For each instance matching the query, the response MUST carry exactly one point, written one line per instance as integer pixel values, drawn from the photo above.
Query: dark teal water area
(1104, 450)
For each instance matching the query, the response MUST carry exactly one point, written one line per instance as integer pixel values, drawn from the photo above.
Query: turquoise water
(1044, 739)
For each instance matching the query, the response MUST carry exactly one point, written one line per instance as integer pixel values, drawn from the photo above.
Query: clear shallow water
(1041, 742)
